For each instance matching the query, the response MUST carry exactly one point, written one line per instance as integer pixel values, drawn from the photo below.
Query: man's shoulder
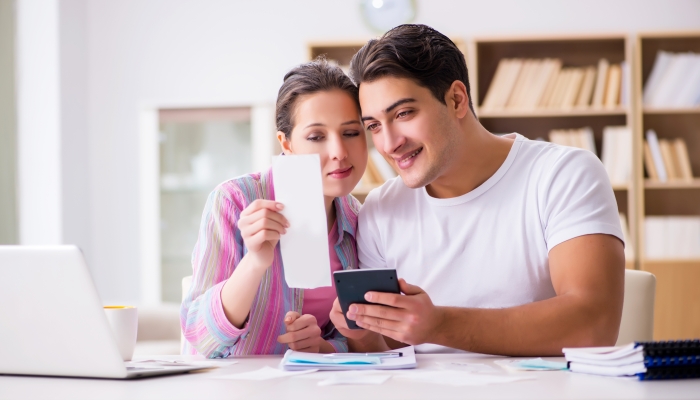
(391, 194)
(552, 157)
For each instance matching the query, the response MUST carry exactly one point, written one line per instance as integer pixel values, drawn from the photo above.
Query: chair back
(637, 323)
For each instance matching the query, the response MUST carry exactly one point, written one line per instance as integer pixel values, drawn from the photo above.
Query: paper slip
(304, 247)
(178, 363)
(262, 374)
(354, 379)
(459, 378)
(535, 364)
(298, 361)
(467, 367)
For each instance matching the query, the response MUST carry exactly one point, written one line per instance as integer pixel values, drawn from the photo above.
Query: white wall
(38, 123)
(236, 52)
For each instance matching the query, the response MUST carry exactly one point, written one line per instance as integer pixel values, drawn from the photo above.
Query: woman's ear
(285, 143)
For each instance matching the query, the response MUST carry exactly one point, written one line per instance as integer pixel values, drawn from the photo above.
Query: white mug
(124, 323)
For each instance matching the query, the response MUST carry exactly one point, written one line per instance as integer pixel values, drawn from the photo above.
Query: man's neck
(479, 155)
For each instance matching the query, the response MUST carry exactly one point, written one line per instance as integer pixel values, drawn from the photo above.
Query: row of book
(666, 160)
(672, 237)
(616, 152)
(531, 84)
(674, 81)
(679, 359)
(378, 170)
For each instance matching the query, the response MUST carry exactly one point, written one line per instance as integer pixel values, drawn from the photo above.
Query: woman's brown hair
(316, 76)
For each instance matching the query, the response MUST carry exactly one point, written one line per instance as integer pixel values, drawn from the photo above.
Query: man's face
(409, 127)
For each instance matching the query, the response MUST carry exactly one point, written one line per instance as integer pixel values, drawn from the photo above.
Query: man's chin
(415, 180)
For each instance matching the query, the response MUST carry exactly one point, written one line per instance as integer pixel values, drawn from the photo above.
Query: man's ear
(457, 99)
(285, 143)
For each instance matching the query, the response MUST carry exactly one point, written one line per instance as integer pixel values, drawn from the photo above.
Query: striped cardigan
(218, 251)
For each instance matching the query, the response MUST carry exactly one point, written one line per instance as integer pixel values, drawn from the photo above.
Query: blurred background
(117, 118)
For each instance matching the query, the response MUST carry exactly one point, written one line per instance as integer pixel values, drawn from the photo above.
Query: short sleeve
(577, 199)
(368, 235)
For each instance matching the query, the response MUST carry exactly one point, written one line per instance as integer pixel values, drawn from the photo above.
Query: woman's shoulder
(245, 189)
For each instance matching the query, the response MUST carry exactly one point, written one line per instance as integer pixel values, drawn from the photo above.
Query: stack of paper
(298, 361)
(609, 361)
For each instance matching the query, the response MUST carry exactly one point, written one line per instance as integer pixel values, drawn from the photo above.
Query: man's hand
(303, 334)
(410, 318)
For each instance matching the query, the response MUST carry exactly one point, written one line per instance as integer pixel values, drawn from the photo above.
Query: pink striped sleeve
(218, 250)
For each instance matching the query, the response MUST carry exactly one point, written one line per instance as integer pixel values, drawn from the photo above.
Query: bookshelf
(485, 55)
(677, 297)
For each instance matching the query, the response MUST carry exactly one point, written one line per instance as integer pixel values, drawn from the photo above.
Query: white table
(198, 385)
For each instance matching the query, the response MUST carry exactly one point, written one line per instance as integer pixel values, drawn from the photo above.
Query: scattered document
(304, 247)
(298, 361)
(354, 379)
(535, 364)
(467, 367)
(460, 378)
(263, 374)
(179, 363)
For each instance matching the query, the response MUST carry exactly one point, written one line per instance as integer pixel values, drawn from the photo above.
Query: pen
(380, 355)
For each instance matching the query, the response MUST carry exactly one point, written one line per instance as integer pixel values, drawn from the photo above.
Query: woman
(239, 302)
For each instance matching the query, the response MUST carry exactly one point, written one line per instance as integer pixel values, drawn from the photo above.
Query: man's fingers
(384, 324)
(381, 330)
(387, 299)
(408, 289)
(376, 311)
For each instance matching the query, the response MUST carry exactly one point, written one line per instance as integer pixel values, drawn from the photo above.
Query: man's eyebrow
(391, 107)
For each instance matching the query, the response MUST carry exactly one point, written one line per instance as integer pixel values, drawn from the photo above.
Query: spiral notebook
(678, 359)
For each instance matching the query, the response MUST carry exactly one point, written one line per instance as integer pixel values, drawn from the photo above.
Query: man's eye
(372, 127)
(403, 113)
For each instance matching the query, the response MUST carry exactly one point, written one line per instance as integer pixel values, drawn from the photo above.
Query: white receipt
(262, 374)
(354, 379)
(459, 378)
(304, 247)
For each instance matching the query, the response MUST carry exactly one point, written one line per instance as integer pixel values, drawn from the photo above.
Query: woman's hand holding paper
(261, 226)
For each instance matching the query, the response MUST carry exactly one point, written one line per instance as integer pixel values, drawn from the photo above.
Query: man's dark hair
(313, 77)
(416, 52)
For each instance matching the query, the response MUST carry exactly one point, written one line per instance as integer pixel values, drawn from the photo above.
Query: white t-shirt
(489, 248)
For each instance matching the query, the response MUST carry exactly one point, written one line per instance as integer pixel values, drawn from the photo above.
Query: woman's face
(328, 124)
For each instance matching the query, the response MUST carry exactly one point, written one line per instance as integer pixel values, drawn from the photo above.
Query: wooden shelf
(620, 186)
(544, 113)
(670, 110)
(694, 184)
(669, 261)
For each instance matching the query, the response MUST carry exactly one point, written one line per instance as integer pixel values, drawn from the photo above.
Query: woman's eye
(352, 133)
(314, 138)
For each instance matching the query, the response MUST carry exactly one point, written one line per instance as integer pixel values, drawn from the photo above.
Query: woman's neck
(330, 211)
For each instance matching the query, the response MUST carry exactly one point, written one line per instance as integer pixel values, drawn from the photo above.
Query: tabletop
(200, 385)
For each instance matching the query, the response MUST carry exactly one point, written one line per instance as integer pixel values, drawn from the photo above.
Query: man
(504, 245)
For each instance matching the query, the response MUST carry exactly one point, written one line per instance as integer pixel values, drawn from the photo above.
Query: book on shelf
(531, 84)
(581, 138)
(667, 159)
(656, 156)
(616, 154)
(600, 81)
(672, 237)
(674, 81)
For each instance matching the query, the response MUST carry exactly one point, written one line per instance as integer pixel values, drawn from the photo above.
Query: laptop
(52, 319)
